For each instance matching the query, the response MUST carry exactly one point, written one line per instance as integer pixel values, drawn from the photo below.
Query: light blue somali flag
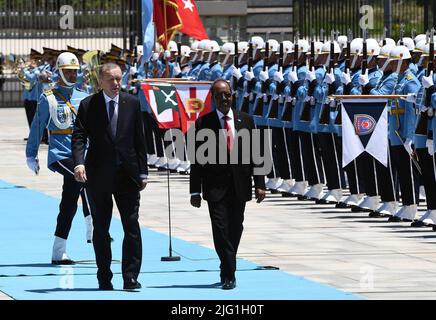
(147, 30)
(364, 128)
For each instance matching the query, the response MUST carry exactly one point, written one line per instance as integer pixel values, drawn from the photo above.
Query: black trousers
(227, 216)
(387, 180)
(355, 184)
(71, 190)
(427, 164)
(295, 155)
(30, 108)
(126, 194)
(311, 158)
(331, 153)
(407, 175)
(367, 173)
(281, 136)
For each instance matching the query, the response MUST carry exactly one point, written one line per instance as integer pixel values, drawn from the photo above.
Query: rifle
(305, 113)
(422, 125)
(365, 53)
(262, 98)
(401, 34)
(248, 95)
(338, 120)
(325, 114)
(236, 64)
(287, 112)
(274, 110)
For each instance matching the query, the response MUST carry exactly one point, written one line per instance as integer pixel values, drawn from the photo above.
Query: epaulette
(48, 92)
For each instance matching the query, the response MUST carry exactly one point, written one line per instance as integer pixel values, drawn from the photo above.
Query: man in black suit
(115, 164)
(226, 187)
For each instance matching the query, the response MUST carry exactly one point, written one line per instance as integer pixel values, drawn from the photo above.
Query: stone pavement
(349, 251)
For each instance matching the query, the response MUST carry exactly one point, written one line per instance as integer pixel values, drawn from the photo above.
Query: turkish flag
(166, 19)
(192, 25)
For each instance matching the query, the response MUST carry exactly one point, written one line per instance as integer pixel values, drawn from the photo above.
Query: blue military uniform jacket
(56, 115)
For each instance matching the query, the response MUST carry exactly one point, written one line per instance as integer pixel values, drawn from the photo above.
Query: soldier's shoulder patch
(409, 76)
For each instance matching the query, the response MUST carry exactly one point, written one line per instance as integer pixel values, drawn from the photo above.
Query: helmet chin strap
(209, 59)
(400, 63)
(226, 58)
(384, 65)
(241, 56)
(421, 59)
(67, 83)
(353, 63)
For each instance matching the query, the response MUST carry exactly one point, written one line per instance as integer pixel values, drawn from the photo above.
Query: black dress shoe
(394, 219)
(229, 284)
(418, 223)
(376, 214)
(105, 285)
(131, 284)
(434, 228)
(342, 205)
(65, 262)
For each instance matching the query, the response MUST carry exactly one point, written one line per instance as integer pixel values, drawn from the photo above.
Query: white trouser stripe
(65, 167)
(337, 160)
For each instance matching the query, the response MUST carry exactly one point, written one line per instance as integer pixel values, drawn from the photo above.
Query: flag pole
(170, 257)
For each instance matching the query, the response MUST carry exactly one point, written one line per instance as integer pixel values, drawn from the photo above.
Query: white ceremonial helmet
(194, 45)
(212, 46)
(385, 51)
(384, 54)
(387, 41)
(303, 45)
(420, 45)
(67, 60)
(372, 47)
(273, 45)
(172, 46)
(185, 51)
(258, 43)
(420, 37)
(288, 47)
(342, 41)
(228, 49)
(326, 47)
(407, 42)
(399, 53)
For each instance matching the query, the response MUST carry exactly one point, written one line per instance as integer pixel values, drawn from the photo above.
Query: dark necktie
(111, 109)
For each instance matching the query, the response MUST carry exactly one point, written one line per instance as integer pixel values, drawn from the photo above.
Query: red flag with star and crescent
(192, 25)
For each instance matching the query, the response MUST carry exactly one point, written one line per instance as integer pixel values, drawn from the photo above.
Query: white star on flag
(188, 5)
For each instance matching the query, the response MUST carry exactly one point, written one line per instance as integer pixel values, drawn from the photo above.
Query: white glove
(33, 164)
(278, 76)
(411, 97)
(176, 69)
(133, 70)
(311, 75)
(236, 72)
(363, 79)
(249, 75)
(263, 75)
(134, 90)
(408, 146)
(430, 146)
(427, 82)
(155, 56)
(345, 77)
(310, 99)
(167, 55)
(293, 76)
(329, 77)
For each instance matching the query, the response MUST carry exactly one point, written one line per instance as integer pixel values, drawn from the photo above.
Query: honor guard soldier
(57, 109)
(402, 121)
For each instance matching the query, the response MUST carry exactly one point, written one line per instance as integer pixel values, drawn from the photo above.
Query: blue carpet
(27, 224)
